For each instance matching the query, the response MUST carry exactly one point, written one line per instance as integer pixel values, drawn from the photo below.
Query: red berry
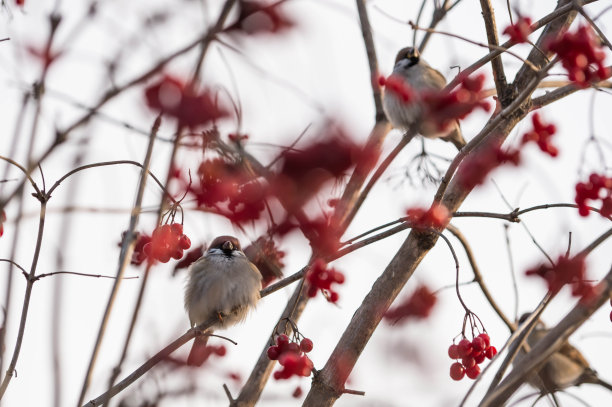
(185, 243)
(478, 344)
(306, 345)
(473, 372)
(282, 340)
(293, 347)
(457, 371)
(486, 338)
(465, 348)
(177, 228)
(453, 351)
(273, 352)
(297, 392)
(333, 296)
(220, 350)
(163, 257)
(146, 249)
(468, 362)
(491, 351)
(480, 358)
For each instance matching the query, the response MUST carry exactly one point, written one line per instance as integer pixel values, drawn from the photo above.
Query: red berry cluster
(541, 134)
(398, 86)
(566, 270)
(476, 166)
(218, 179)
(519, 31)
(418, 305)
(320, 277)
(175, 98)
(303, 172)
(581, 55)
(167, 241)
(597, 187)
(435, 217)
(291, 356)
(2, 220)
(228, 189)
(472, 353)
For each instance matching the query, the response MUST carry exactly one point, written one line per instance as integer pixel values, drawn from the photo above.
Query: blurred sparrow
(223, 284)
(565, 368)
(421, 77)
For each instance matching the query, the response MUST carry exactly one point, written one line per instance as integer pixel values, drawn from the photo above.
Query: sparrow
(565, 368)
(417, 73)
(222, 284)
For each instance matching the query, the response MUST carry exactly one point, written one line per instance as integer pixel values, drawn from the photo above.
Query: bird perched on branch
(565, 368)
(222, 284)
(420, 77)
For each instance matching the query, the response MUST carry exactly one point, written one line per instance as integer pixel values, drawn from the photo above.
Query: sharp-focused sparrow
(421, 77)
(224, 284)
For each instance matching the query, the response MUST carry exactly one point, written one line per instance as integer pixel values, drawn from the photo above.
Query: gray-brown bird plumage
(222, 284)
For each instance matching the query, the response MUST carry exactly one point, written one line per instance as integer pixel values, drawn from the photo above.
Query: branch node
(228, 394)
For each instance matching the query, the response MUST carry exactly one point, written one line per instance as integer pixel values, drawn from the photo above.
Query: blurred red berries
(418, 305)
(441, 108)
(520, 30)
(257, 17)
(435, 217)
(541, 134)
(2, 220)
(598, 187)
(476, 167)
(395, 84)
(566, 270)
(319, 277)
(303, 172)
(581, 55)
(191, 108)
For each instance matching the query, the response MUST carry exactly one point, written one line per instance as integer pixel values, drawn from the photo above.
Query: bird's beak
(227, 246)
(414, 55)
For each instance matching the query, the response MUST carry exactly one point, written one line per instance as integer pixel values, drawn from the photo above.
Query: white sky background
(324, 60)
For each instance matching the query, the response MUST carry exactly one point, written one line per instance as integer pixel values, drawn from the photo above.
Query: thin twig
(26, 301)
(125, 257)
(499, 48)
(478, 276)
